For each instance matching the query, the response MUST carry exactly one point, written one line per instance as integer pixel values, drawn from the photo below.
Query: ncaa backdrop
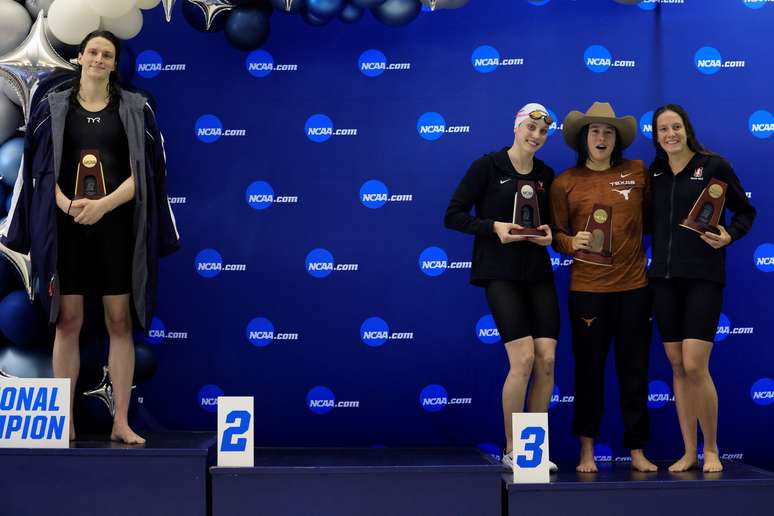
(309, 180)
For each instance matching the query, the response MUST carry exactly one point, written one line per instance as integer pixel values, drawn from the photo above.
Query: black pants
(596, 320)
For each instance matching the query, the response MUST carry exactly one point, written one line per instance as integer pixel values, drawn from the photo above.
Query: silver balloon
(10, 93)
(15, 23)
(211, 9)
(35, 6)
(21, 262)
(104, 391)
(10, 114)
(31, 62)
(445, 4)
(3, 374)
(168, 5)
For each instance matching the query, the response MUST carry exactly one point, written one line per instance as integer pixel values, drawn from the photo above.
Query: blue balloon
(196, 18)
(8, 201)
(397, 12)
(9, 277)
(3, 204)
(287, 6)
(325, 8)
(313, 19)
(351, 13)
(145, 363)
(367, 4)
(20, 320)
(247, 28)
(10, 160)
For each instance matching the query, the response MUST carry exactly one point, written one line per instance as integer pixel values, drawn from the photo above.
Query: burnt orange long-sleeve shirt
(625, 188)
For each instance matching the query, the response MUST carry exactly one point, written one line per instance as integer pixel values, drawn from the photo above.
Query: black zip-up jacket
(490, 186)
(679, 252)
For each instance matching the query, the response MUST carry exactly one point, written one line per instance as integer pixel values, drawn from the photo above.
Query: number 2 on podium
(230, 442)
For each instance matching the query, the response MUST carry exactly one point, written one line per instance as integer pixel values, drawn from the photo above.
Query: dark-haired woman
(608, 302)
(688, 272)
(106, 244)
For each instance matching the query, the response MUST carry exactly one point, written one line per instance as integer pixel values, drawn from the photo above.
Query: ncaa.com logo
(431, 126)
(725, 329)
(762, 392)
(659, 394)
(375, 331)
(260, 63)
(150, 64)
(557, 398)
(209, 129)
(373, 63)
(260, 332)
(176, 200)
(208, 397)
(603, 453)
(708, 61)
(756, 4)
(319, 128)
(649, 5)
(555, 124)
(320, 263)
(646, 125)
(434, 261)
(158, 332)
(209, 263)
(764, 257)
(558, 260)
(761, 124)
(486, 330)
(321, 400)
(434, 398)
(374, 194)
(486, 59)
(598, 59)
(260, 195)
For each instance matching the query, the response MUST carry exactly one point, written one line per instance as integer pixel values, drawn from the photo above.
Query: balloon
(145, 363)
(445, 4)
(325, 8)
(35, 6)
(247, 28)
(10, 118)
(351, 13)
(212, 9)
(126, 26)
(397, 12)
(287, 6)
(147, 4)
(10, 160)
(15, 23)
(168, 6)
(313, 19)
(26, 363)
(109, 8)
(20, 319)
(9, 278)
(197, 18)
(3, 211)
(71, 20)
(366, 4)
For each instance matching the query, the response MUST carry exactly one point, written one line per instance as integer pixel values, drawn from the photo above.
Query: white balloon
(71, 20)
(147, 4)
(126, 26)
(15, 23)
(111, 8)
(10, 118)
(9, 92)
(35, 6)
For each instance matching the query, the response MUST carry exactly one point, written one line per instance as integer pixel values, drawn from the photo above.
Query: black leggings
(524, 308)
(624, 318)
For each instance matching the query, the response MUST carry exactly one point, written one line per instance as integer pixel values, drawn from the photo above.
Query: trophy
(89, 178)
(707, 209)
(526, 210)
(600, 225)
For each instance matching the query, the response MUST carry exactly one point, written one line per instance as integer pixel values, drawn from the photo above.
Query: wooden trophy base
(700, 228)
(528, 232)
(593, 258)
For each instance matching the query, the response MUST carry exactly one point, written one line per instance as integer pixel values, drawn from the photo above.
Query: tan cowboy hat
(602, 113)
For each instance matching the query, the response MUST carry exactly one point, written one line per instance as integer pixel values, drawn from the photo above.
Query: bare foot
(124, 434)
(586, 463)
(641, 463)
(712, 462)
(586, 466)
(687, 462)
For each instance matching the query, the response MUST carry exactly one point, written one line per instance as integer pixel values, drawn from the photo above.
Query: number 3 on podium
(530, 448)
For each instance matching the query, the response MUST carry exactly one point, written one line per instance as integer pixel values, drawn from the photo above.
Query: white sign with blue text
(235, 431)
(530, 448)
(34, 412)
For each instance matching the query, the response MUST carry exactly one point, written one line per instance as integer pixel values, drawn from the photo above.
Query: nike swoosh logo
(626, 175)
(656, 175)
(503, 181)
